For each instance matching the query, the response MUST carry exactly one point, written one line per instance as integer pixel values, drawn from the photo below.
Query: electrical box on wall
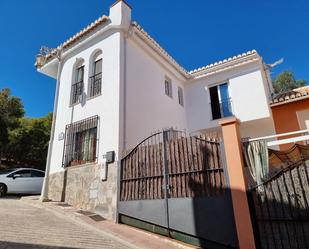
(110, 157)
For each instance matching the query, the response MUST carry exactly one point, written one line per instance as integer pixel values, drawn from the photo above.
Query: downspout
(124, 90)
(124, 126)
(44, 193)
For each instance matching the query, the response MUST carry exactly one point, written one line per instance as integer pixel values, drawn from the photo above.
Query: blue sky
(195, 33)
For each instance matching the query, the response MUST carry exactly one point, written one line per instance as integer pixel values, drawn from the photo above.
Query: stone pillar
(235, 166)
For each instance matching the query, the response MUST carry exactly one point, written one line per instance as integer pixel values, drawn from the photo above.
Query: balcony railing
(95, 85)
(226, 108)
(77, 90)
(222, 109)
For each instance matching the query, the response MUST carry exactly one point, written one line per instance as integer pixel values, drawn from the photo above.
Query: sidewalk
(130, 235)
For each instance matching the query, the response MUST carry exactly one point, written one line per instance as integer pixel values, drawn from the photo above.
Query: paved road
(23, 227)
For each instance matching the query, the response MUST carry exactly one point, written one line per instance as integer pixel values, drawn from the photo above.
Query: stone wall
(81, 187)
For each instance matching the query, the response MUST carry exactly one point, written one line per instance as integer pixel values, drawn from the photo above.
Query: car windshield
(7, 171)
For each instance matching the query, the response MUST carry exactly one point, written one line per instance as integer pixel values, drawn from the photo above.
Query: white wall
(247, 92)
(106, 106)
(148, 109)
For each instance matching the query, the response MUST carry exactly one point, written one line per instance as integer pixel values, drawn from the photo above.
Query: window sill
(81, 165)
(93, 97)
(75, 104)
(218, 119)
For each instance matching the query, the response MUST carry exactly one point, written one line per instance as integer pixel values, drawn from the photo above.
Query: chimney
(120, 14)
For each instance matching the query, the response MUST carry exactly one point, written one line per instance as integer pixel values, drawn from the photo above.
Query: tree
(286, 81)
(23, 141)
(11, 110)
(28, 144)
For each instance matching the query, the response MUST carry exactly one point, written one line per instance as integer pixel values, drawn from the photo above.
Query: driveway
(23, 226)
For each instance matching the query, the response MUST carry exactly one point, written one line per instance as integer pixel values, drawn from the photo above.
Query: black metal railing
(222, 109)
(80, 145)
(280, 208)
(95, 84)
(77, 90)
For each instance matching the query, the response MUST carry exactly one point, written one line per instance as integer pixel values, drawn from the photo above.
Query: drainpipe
(44, 193)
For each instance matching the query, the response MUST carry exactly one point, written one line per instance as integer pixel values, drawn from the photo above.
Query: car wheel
(3, 189)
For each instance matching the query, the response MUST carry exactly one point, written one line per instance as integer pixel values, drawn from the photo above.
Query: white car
(21, 181)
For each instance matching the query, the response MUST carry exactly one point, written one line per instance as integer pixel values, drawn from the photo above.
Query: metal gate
(179, 183)
(280, 209)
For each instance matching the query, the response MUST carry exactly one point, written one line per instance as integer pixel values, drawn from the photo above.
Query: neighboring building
(290, 111)
(116, 86)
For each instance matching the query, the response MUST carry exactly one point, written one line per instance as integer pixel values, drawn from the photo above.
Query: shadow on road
(13, 197)
(14, 245)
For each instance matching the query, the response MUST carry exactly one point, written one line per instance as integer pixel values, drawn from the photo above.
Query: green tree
(286, 81)
(28, 144)
(11, 110)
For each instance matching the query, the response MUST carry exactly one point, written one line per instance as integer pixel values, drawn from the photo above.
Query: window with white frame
(168, 87)
(180, 96)
(95, 80)
(220, 101)
(80, 144)
(78, 85)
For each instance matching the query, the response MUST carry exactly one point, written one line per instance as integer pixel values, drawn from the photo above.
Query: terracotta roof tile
(290, 96)
(79, 35)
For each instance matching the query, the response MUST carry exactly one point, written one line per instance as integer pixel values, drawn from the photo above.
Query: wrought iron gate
(280, 209)
(179, 183)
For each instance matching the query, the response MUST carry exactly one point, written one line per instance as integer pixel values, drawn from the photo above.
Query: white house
(116, 85)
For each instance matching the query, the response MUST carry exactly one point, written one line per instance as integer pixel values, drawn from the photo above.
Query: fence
(280, 208)
(170, 174)
(194, 168)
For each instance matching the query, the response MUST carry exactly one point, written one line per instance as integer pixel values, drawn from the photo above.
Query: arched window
(77, 82)
(95, 79)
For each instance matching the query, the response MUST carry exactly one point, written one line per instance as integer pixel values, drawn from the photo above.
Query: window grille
(96, 79)
(80, 144)
(78, 86)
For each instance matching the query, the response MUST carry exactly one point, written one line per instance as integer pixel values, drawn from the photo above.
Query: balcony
(95, 84)
(77, 90)
(221, 109)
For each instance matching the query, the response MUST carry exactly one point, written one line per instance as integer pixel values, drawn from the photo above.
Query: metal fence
(280, 208)
(179, 183)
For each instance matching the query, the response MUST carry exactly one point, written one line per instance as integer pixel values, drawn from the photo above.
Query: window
(80, 142)
(180, 96)
(78, 85)
(21, 173)
(220, 101)
(36, 173)
(96, 79)
(168, 87)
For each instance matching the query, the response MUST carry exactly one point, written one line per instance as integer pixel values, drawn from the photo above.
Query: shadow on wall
(65, 182)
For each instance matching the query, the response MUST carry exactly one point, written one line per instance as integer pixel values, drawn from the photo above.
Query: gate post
(235, 166)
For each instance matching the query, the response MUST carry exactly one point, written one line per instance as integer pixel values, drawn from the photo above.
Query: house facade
(291, 111)
(116, 85)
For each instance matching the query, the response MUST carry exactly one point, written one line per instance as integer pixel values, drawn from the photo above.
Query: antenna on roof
(276, 63)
